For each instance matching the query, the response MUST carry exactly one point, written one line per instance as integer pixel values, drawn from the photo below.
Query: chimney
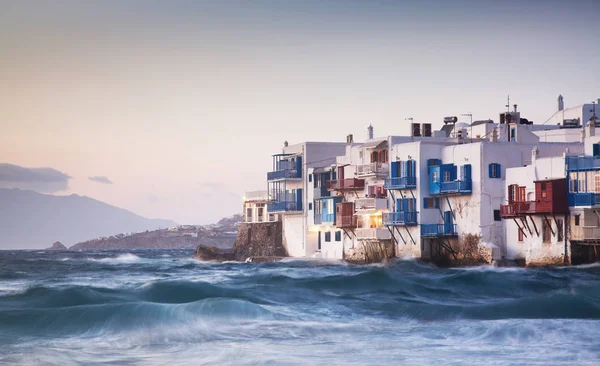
(370, 129)
(515, 107)
(349, 139)
(561, 103)
(285, 144)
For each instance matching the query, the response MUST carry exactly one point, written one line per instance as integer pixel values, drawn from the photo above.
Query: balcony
(283, 174)
(373, 234)
(583, 163)
(321, 192)
(345, 221)
(366, 204)
(585, 233)
(284, 206)
(346, 184)
(377, 169)
(584, 199)
(437, 230)
(401, 183)
(400, 218)
(256, 196)
(453, 187)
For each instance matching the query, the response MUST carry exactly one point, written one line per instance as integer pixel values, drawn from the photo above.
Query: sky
(171, 109)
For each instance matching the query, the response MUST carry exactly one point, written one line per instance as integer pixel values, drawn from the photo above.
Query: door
(319, 241)
(448, 224)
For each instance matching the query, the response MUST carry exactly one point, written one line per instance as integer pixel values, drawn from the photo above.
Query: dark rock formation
(367, 252)
(57, 246)
(257, 241)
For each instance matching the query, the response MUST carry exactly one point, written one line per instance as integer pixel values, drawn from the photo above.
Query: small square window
(338, 236)
(310, 206)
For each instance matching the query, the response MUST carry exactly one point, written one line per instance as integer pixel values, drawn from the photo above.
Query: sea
(161, 307)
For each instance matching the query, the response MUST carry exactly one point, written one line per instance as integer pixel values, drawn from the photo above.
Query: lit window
(434, 177)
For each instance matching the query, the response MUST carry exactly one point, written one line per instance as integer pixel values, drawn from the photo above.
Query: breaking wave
(161, 299)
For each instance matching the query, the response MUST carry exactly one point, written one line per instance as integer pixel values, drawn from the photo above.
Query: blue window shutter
(299, 199)
(453, 172)
(437, 202)
(405, 172)
(467, 170)
(399, 204)
(491, 173)
(413, 168)
(425, 202)
(405, 204)
(498, 171)
(299, 166)
(596, 150)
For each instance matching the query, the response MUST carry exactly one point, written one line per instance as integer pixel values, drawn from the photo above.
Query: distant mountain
(221, 235)
(30, 220)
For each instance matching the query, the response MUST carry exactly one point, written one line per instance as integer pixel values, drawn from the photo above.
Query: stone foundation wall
(466, 251)
(263, 239)
(369, 251)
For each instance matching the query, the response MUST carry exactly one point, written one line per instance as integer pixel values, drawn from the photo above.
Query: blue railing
(283, 206)
(399, 218)
(583, 163)
(328, 217)
(401, 182)
(283, 174)
(456, 186)
(584, 199)
(438, 230)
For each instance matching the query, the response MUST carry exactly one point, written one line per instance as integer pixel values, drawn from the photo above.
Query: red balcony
(345, 221)
(516, 209)
(346, 184)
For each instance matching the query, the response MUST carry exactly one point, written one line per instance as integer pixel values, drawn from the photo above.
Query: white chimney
(370, 129)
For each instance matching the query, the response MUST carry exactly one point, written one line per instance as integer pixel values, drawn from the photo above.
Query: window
(338, 236)
(431, 202)
(596, 150)
(573, 182)
(559, 230)
(310, 177)
(327, 236)
(434, 177)
(576, 220)
(546, 232)
(497, 215)
(446, 177)
(310, 206)
(520, 235)
(512, 192)
(495, 171)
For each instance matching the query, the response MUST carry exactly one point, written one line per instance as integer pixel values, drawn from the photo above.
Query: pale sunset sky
(171, 109)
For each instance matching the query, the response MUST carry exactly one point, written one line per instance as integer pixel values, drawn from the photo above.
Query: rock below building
(255, 242)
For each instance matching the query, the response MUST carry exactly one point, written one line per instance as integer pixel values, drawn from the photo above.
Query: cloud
(100, 179)
(44, 180)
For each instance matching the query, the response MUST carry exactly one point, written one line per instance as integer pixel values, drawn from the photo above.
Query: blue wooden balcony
(283, 174)
(583, 163)
(284, 206)
(437, 230)
(584, 199)
(451, 187)
(400, 218)
(400, 182)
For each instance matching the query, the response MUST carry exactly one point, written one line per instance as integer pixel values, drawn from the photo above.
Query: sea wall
(369, 251)
(263, 239)
(468, 250)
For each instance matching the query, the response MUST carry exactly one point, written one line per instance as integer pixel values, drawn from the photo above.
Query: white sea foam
(121, 259)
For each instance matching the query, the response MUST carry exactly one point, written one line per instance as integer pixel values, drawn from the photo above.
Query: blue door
(448, 224)
(319, 241)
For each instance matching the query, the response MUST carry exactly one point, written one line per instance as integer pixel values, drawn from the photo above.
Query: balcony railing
(256, 196)
(456, 186)
(346, 184)
(399, 218)
(584, 199)
(371, 204)
(328, 217)
(373, 234)
(401, 182)
(372, 169)
(283, 174)
(345, 221)
(433, 230)
(514, 209)
(583, 163)
(283, 206)
(585, 233)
